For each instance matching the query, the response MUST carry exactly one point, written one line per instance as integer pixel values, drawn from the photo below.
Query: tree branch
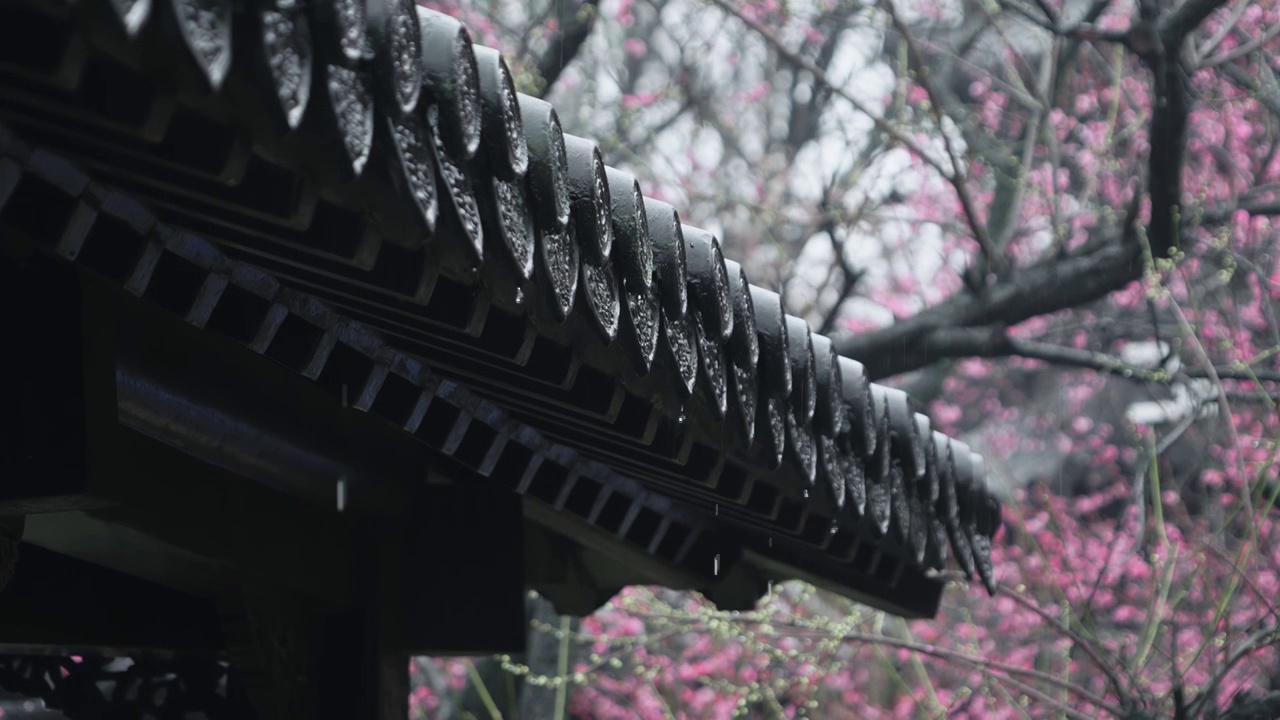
(949, 174)
(1177, 24)
(849, 275)
(575, 24)
(957, 177)
(1105, 265)
(1045, 287)
(993, 342)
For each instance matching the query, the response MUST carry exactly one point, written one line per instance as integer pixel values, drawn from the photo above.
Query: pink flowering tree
(1050, 220)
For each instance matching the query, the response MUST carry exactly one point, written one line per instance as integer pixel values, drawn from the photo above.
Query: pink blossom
(639, 100)
(635, 47)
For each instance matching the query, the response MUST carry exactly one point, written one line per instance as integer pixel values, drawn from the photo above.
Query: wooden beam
(60, 604)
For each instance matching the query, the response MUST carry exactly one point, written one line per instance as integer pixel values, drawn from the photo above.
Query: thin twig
(957, 177)
(952, 175)
(931, 650)
(1075, 637)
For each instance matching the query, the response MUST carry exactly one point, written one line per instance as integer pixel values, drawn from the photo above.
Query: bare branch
(957, 177)
(801, 63)
(1176, 25)
(1110, 262)
(1045, 287)
(1006, 671)
(575, 24)
(849, 275)
(1227, 28)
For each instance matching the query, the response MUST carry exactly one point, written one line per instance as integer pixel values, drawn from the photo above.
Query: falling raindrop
(519, 296)
(342, 494)
(717, 509)
(806, 492)
(717, 564)
(344, 396)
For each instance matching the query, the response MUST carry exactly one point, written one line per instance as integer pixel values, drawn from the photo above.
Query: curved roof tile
(589, 199)
(396, 39)
(774, 341)
(450, 80)
(630, 228)
(709, 281)
(505, 148)
(548, 175)
(670, 271)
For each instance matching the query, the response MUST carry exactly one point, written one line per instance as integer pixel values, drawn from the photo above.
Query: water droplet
(681, 418)
(717, 564)
(519, 296)
(341, 492)
(806, 492)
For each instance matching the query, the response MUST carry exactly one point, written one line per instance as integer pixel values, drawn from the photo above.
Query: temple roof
(357, 193)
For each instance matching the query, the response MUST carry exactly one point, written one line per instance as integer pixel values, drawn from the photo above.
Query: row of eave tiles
(563, 219)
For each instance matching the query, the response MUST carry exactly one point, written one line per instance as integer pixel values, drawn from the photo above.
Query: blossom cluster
(1139, 561)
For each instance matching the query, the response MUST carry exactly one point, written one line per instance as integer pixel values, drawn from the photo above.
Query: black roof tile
(670, 271)
(775, 351)
(556, 262)
(505, 148)
(713, 363)
(804, 385)
(508, 227)
(855, 480)
(639, 328)
(908, 446)
(396, 38)
(959, 524)
(829, 412)
(589, 199)
(451, 80)
(980, 524)
(460, 212)
(831, 472)
(709, 281)
(414, 169)
(345, 117)
(801, 446)
(744, 342)
(927, 478)
(771, 429)
(679, 349)
(339, 26)
(899, 506)
(859, 410)
(208, 41)
(600, 289)
(285, 57)
(630, 229)
(879, 469)
(548, 175)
